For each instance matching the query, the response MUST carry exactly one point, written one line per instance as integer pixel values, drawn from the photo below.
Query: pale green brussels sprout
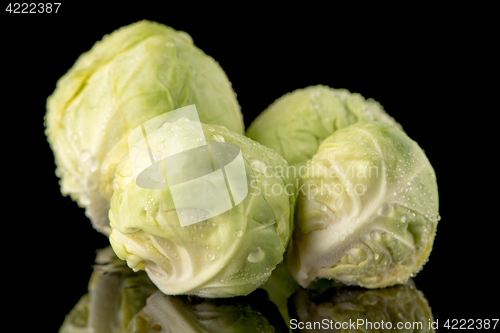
(132, 75)
(231, 252)
(367, 209)
(296, 123)
(401, 308)
(188, 314)
(116, 294)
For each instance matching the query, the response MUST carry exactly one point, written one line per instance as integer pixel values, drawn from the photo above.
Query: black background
(421, 64)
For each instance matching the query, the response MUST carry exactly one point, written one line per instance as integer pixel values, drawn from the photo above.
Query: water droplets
(436, 218)
(84, 156)
(90, 184)
(211, 256)
(219, 138)
(281, 225)
(404, 218)
(88, 161)
(59, 172)
(322, 208)
(258, 166)
(386, 210)
(84, 199)
(238, 233)
(348, 147)
(257, 255)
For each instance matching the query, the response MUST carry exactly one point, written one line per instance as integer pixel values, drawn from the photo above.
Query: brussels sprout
(132, 75)
(401, 308)
(190, 314)
(115, 295)
(367, 209)
(230, 253)
(296, 123)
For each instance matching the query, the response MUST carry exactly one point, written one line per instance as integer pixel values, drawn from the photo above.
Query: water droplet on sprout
(386, 210)
(257, 255)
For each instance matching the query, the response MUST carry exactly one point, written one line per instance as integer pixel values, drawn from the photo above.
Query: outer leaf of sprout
(130, 76)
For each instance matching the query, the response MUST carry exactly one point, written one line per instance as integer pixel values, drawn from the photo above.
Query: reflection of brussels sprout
(229, 254)
(367, 209)
(280, 286)
(115, 295)
(188, 314)
(401, 308)
(295, 124)
(131, 76)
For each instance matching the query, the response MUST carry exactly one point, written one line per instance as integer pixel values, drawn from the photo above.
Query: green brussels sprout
(190, 314)
(116, 294)
(401, 308)
(367, 209)
(296, 123)
(130, 76)
(225, 254)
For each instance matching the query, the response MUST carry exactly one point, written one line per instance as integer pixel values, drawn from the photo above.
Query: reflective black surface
(120, 300)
